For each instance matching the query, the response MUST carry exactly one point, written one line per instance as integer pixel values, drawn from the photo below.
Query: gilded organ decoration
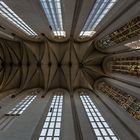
(127, 65)
(127, 31)
(126, 101)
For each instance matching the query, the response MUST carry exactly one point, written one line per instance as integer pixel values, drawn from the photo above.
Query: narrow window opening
(8, 118)
(52, 125)
(98, 123)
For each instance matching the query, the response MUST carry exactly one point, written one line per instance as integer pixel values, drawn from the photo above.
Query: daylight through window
(99, 125)
(52, 124)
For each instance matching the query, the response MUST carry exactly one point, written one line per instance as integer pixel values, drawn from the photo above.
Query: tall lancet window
(53, 11)
(98, 12)
(12, 17)
(100, 126)
(21, 106)
(8, 118)
(52, 125)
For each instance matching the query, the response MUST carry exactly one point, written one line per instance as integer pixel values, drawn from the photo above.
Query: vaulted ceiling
(48, 65)
(48, 62)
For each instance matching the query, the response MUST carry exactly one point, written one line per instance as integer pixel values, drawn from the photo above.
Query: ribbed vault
(48, 65)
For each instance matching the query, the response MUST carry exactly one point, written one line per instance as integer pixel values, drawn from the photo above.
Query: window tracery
(127, 31)
(128, 102)
(101, 128)
(125, 65)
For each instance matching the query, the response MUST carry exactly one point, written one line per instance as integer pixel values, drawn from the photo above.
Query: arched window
(52, 125)
(100, 126)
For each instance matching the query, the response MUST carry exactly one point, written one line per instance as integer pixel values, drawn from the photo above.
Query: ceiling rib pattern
(48, 65)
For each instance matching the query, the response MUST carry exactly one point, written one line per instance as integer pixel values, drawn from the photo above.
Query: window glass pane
(41, 138)
(103, 132)
(43, 132)
(97, 132)
(107, 138)
(94, 125)
(57, 125)
(49, 138)
(99, 124)
(100, 138)
(57, 132)
(50, 132)
(56, 138)
(51, 124)
(46, 124)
